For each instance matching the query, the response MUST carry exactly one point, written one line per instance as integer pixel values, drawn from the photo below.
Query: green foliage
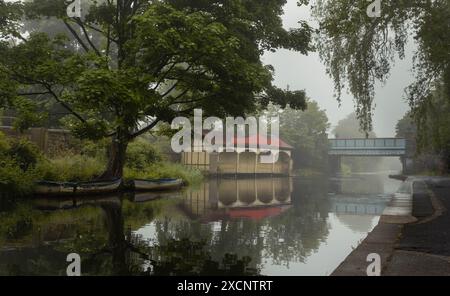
(94, 149)
(4, 143)
(158, 60)
(18, 159)
(25, 153)
(359, 51)
(306, 131)
(71, 168)
(165, 170)
(433, 126)
(426, 129)
(349, 128)
(142, 153)
(15, 180)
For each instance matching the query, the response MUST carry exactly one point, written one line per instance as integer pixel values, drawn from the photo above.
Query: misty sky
(307, 72)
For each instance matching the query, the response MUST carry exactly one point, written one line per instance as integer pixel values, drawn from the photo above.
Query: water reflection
(225, 226)
(238, 198)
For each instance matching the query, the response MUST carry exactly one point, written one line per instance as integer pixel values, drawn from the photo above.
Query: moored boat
(98, 187)
(50, 188)
(54, 188)
(156, 184)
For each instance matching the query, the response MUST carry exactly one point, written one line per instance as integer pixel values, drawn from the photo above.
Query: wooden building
(242, 161)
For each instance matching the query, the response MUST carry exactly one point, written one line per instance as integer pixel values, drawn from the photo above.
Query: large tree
(306, 131)
(429, 135)
(127, 65)
(359, 51)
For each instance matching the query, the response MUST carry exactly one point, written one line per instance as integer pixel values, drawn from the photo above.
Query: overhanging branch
(85, 47)
(145, 129)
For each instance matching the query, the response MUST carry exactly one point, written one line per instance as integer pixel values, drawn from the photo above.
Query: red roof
(254, 141)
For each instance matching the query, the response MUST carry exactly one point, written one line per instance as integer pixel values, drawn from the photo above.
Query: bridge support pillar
(334, 162)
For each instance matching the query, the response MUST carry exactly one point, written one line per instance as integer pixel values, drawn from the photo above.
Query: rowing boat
(98, 187)
(54, 188)
(156, 184)
(76, 188)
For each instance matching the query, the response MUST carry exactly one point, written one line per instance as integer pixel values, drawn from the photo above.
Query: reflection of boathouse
(239, 198)
(243, 160)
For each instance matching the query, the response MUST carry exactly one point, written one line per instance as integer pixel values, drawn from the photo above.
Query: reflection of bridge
(358, 206)
(366, 147)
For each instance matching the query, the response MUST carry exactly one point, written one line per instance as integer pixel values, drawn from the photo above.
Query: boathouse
(243, 161)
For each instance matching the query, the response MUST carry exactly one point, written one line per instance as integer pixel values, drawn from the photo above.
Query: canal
(264, 226)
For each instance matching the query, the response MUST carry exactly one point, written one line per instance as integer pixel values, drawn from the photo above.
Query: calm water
(271, 226)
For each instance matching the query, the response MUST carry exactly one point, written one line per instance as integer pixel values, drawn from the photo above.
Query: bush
(15, 180)
(95, 149)
(74, 168)
(165, 170)
(142, 153)
(4, 143)
(26, 154)
(18, 159)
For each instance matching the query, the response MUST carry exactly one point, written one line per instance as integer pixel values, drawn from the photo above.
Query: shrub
(18, 159)
(73, 168)
(165, 170)
(95, 149)
(142, 153)
(4, 143)
(15, 180)
(25, 153)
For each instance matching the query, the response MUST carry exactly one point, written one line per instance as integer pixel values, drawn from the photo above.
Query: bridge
(368, 147)
(362, 147)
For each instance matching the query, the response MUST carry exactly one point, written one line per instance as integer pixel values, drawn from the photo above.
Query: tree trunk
(116, 159)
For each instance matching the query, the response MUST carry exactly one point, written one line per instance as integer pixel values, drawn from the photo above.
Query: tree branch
(64, 104)
(145, 129)
(165, 74)
(80, 23)
(76, 36)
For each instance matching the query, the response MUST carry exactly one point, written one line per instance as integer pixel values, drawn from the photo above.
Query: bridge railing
(377, 143)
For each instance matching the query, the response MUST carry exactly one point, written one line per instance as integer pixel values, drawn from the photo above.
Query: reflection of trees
(99, 232)
(189, 247)
(185, 247)
(299, 231)
(293, 236)
(186, 257)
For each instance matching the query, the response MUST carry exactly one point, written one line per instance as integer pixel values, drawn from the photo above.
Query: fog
(307, 72)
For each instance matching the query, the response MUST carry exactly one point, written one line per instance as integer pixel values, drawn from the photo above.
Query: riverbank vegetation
(22, 164)
(427, 130)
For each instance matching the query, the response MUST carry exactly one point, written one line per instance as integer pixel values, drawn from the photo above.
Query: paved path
(413, 235)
